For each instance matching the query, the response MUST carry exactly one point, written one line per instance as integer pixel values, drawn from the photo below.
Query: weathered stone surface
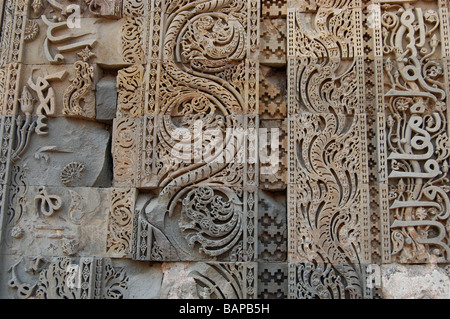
(103, 36)
(414, 282)
(273, 151)
(177, 284)
(273, 42)
(145, 279)
(49, 86)
(75, 153)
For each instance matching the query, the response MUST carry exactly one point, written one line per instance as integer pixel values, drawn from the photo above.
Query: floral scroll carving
(211, 221)
(328, 205)
(62, 279)
(118, 240)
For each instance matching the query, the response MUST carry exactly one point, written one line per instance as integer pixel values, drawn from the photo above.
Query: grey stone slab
(74, 153)
(106, 99)
(414, 281)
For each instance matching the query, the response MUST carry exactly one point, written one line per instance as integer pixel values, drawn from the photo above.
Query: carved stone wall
(250, 149)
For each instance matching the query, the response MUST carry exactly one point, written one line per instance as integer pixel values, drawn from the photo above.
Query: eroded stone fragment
(75, 153)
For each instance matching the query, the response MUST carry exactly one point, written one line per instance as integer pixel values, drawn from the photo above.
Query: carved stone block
(67, 278)
(74, 153)
(273, 42)
(58, 42)
(58, 221)
(412, 131)
(204, 221)
(60, 90)
(314, 211)
(272, 227)
(273, 157)
(323, 281)
(9, 88)
(185, 161)
(224, 72)
(120, 222)
(133, 36)
(328, 180)
(130, 86)
(272, 93)
(79, 98)
(126, 137)
(273, 280)
(317, 5)
(189, 148)
(224, 149)
(210, 280)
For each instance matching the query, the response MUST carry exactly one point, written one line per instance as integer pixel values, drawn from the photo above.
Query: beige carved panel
(412, 105)
(328, 183)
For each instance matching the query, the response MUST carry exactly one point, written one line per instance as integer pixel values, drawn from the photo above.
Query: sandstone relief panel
(328, 186)
(223, 149)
